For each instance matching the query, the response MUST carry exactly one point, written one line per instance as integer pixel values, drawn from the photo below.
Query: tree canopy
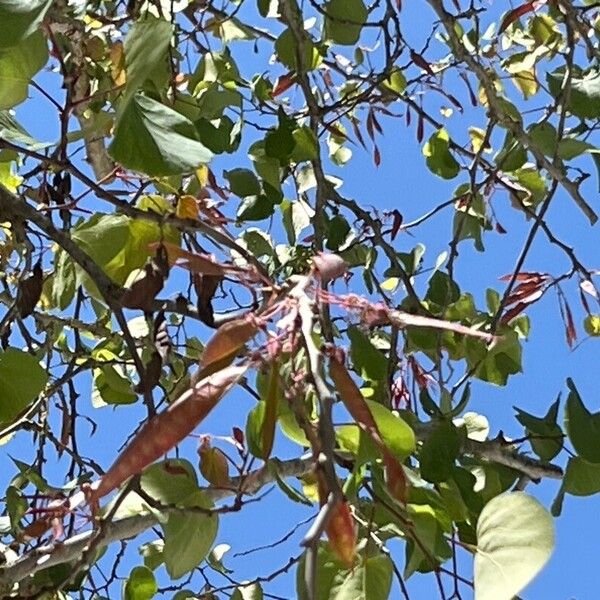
(203, 307)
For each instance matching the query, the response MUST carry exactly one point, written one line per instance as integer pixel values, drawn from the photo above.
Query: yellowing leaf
(187, 208)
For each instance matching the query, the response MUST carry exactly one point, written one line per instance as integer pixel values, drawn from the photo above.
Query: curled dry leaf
(165, 430)
(148, 282)
(30, 290)
(329, 266)
(197, 263)
(206, 286)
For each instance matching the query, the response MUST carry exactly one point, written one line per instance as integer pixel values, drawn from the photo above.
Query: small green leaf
(188, 537)
(243, 182)
(21, 380)
(369, 362)
(344, 20)
(252, 591)
(581, 477)
(140, 584)
(396, 82)
(439, 452)
(156, 140)
(439, 158)
(582, 426)
(515, 538)
(545, 435)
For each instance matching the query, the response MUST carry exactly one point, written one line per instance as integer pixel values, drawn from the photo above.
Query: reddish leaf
(420, 128)
(30, 290)
(570, 331)
(397, 223)
(421, 62)
(525, 276)
(283, 83)
(376, 156)
(515, 14)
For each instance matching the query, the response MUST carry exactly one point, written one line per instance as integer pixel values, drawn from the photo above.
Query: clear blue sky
(403, 182)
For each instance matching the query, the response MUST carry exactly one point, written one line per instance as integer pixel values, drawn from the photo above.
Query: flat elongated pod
(167, 429)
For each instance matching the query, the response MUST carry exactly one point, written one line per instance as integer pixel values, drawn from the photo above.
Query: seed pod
(359, 410)
(165, 430)
(341, 533)
(329, 266)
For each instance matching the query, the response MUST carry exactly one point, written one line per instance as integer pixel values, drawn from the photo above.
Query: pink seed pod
(329, 266)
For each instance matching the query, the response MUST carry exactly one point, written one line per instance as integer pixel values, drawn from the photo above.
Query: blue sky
(402, 182)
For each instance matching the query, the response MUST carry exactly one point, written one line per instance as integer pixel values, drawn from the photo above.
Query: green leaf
(252, 591)
(344, 20)
(243, 182)
(111, 386)
(583, 427)
(307, 145)
(396, 433)
(285, 48)
(256, 208)
(439, 159)
(370, 580)
(152, 553)
(396, 82)
(584, 96)
(19, 19)
(18, 65)
(12, 132)
(545, 435)
(431, 526)
(279, 143)
(515, 538)
(512, 156)
(156, 140)
(337, 232)
(146, 49)
(188, 537)
(439, 452)
(581, 477)
(544, 136)
(140, 584)
(497, 363)
(21, 380)
(369, 362)
(254, 425)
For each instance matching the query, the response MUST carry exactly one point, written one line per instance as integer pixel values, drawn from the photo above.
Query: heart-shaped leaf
(515, 538)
